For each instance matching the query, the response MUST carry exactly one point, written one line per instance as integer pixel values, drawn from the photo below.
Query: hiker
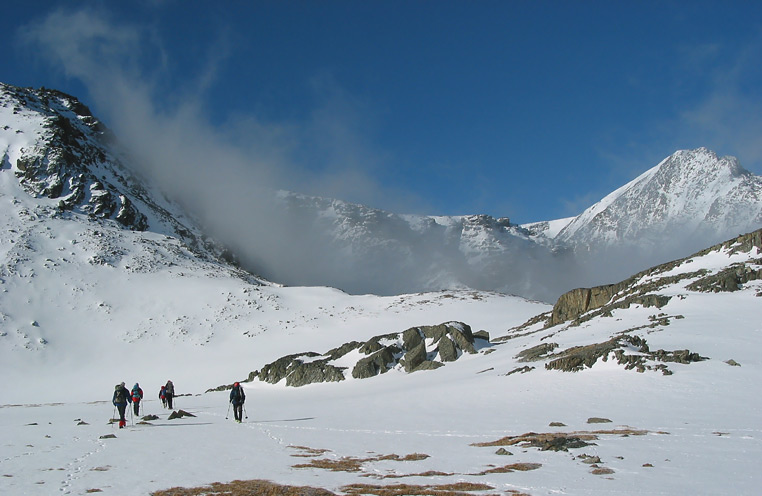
(137, 395)
(169, 393)
(163, 397)
(237, 398)
(120, 400)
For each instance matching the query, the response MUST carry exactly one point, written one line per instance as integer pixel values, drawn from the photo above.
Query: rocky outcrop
(582, 304)
(415, 349)
(618, 348)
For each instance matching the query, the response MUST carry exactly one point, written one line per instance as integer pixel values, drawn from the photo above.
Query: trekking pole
(112, 417)
(244, 411)
(228, 412)
(132, 417)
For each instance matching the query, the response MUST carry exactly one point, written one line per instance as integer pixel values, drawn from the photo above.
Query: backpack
(170, 388)
(235, 394)
(119, 396)
(137, 394)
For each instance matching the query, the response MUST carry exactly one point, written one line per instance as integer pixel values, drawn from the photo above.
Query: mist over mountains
(690, 200)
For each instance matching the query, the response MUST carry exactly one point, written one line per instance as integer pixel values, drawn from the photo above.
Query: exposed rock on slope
(641, 288)
(417, 348)
(726, 267)
(58, 150)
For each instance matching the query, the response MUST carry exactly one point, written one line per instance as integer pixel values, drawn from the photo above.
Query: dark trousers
(238, 411)
(136, 406)
(168, 397)
(121, 407)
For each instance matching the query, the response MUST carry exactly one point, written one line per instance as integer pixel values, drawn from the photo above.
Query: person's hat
(236, 384)
(122, 384)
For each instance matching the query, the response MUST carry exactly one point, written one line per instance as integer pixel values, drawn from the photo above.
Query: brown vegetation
(558, 440)
(244, 488)
(456, 489)
(352, 464)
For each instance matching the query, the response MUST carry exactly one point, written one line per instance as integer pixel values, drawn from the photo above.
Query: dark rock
(378, 363)
(179, 414)
(503, 451)
(428, 365)
(311, 372)
(447, 350)
(522, 370)
(411, 338)
(536, 352)
(414, 357)
(598, 420)
(108, 436)
(563, 443)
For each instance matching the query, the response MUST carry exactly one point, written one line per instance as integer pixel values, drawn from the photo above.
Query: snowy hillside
(642, 386)
(661, 403)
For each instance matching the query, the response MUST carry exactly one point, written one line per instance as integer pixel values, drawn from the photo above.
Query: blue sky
(528, 110)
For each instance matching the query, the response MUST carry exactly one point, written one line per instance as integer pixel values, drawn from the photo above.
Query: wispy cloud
(226, 173)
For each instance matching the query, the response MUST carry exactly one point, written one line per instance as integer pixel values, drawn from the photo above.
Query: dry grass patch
(513, 467)
(430, 473)
(245, 488)
(353, 464)
(559, 440)
(456, 489)
(307, 452)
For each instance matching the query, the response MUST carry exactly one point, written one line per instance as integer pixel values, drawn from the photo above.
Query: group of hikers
(123, 396)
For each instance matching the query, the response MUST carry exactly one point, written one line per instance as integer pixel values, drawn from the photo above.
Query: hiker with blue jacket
(137, 395)
(237, 398)
(120, 400)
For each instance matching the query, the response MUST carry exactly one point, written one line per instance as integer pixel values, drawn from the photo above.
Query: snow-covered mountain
(102, 280)
(692, 199)
(692, 195)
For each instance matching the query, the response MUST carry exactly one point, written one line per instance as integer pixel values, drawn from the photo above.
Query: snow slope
(694, 431)
(86, 304)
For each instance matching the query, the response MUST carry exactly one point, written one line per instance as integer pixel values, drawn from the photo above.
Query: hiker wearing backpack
(137, 395)
(120, 400)
(169, 393)
(162, 396)
(237, 398)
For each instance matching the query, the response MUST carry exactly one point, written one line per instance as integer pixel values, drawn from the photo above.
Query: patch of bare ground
(455, 489)
(267, 488)
(245, 488)
(513, 467)
(430, 473)
(353, 464)
(559, 441)
(307, 452)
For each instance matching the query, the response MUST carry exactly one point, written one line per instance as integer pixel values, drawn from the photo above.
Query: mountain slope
(692, 195)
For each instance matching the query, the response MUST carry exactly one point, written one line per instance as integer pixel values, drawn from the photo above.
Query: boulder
(311, 372)
(447, 350)
(414, 357)
(377, 363)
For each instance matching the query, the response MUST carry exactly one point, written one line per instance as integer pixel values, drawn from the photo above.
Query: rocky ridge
(413, 350)
(59, 151)
(741, 268)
